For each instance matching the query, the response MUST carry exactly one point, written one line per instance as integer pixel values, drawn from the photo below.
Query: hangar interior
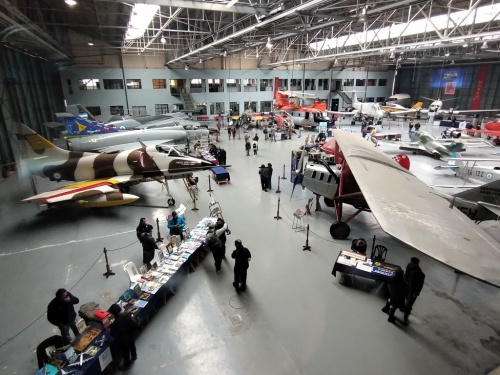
(295, 317)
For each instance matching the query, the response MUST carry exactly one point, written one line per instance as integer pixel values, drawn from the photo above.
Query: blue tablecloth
(220, 173)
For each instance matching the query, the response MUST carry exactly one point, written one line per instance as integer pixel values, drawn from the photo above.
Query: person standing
(272, 135)
(247, 147)
(255, 148)
(124, 329)
(176, 225)
(61, 313)
(414, 282)
(242, 258)
(216, 246)
(148, 246)
(269, 175)
(233, 132)
(247, 137)
(222, 156)
(263, 177)
(265, 133)
(141, 228)
(396, 295)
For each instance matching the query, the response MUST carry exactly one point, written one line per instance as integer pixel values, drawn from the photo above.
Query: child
(255, 147)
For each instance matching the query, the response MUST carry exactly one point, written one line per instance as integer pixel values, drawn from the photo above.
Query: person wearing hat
(263, 172)
(124, 330)
(414, 282)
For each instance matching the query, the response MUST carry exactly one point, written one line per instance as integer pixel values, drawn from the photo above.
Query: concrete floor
(294, 318)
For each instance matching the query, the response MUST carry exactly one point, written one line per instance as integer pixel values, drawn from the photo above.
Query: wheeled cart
(220, 175)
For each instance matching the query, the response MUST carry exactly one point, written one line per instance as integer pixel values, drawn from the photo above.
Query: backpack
(255, 146)
(214, 243)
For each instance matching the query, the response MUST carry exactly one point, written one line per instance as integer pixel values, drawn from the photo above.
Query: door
(338, 84)
(335, 105)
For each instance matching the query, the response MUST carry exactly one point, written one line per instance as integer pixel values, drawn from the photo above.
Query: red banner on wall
(478, 90)
(276, 86)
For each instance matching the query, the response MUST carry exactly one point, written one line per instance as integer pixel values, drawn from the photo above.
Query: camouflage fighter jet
(102, 180)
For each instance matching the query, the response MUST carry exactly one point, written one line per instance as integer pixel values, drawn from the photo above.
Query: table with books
(352, 263)
(89, 353)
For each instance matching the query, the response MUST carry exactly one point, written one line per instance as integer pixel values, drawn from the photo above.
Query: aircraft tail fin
(76, 125)
(34, 146)
(488, 193)
(417, 105)
(454, 147)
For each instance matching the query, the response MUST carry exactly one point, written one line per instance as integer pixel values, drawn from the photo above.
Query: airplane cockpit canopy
(170, 151)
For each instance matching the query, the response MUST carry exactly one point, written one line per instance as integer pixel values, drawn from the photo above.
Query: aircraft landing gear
(171, 201)
(340, 230)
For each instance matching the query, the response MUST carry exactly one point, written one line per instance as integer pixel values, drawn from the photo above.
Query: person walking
(247, 147)
(148, 246)
(216, 246)
(396, 295)
(263, 177)
(414, 282)
(229, 132)
(61, 313)
(265, 131)
(141, 228)
(233, 132)
(124, 329)
(255, 148)
(242, 258)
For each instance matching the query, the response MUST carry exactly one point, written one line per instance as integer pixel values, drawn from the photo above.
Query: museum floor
(294, 317)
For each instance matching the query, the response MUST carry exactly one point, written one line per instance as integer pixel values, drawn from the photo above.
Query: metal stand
(297, 220)
(159, 238)
(108, 272)
(283, 176)
(209, 186)
(307, 247)
(278, 189)
(278, 217)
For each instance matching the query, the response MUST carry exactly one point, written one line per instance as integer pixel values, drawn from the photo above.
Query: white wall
(147, 96)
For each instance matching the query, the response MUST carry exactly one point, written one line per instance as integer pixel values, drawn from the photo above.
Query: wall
(453, 83)
(149, 97)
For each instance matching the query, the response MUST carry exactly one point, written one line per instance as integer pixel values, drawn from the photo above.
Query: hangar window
(201, 107)
(310, 84)
(283, 84)
(134, 84)
(159, 83)
(266, 106)
(380, 99)
(233, 85)
(249, 85)
(215, 85)
(296, 84)
(161, 108)
(94, 111)
(139, 110)
(217, 108)
(266, 85)
(89, 84)
(116, 110)
(322, 84)
(197, 85)
(360, 82)
(113, 84)
(348, 82)
(372, 82)
(370, 100)
(234, 108)
(382, 82)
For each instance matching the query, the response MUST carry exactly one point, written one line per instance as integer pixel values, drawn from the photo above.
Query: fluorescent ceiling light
(140, 18)
(484, 14)
(231, 3)
(90, 43)
(269, 44)
(484, 45)
(163, 40)
(70, 2)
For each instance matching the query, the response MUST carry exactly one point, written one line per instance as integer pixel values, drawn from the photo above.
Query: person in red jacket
(61, 313)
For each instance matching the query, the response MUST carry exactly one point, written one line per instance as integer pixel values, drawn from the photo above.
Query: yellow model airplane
(396, 107)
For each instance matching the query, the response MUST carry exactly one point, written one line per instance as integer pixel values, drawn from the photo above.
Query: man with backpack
(215, 245)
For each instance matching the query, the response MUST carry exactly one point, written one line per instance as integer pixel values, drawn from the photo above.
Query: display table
(351, 263)
(143, 300)
(221, 175)
(206, 155)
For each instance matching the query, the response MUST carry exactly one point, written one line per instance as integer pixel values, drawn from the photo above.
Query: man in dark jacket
(263, 172)
(414, 282)
(141, 228)
(269, 175)
(61, 313)
(148, 246)
(124, 330)
(216, 245)
(242, 257)
(396, 295)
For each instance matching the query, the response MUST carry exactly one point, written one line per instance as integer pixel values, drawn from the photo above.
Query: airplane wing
(490, 207)
(412, 212)
(457, 112)
(470, 142)
(93, 190)
(345, 114)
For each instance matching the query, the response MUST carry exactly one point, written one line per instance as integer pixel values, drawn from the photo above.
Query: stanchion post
(278, 189)
(283, 176)
(159, 238)
(307, 247)
(278, 217)
(209, 186)
(108, 272)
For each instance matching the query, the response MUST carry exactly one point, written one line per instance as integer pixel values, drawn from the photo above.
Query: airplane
(370, 110)
(423, 142)
(102, 180)
(402, 100)
(436, 107)
(111, 141)
(303, 112)
(404, 206)
(468, 168)
(390, 107)
(491, 129)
